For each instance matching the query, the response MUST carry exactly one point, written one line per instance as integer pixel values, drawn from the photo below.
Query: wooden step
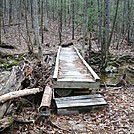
(78, 104)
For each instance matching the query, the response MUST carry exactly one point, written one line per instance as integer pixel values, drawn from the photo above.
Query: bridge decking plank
(71, 68)
(78, 104)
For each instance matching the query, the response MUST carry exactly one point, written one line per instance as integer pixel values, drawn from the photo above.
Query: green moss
(9, 65)
(10, 120)
(2, 61)
(14, 63)
(10, 55)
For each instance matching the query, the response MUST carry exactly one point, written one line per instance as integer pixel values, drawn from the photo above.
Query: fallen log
(20, 93)
(12, 84)
(67, 44)
(46, 100)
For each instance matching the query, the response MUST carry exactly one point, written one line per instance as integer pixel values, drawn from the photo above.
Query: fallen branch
(108, 85)
(20, 93)
(67, 44)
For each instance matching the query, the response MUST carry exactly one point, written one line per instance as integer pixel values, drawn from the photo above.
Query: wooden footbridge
(73, 73)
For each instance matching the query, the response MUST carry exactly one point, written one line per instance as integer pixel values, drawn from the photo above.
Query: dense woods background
(107, 22)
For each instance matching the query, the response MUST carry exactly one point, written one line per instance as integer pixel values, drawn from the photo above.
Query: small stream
(114, 78)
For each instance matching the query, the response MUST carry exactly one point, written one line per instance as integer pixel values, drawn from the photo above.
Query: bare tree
(72, 19)
(0, 20)
(114, 21)
(36, 28)
(60, 21)
(28, 38)
(104, 44)
(99, 23)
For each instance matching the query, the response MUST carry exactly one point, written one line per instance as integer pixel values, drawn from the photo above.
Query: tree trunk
(0, 21)
(129, 19)
(46, 15)
(28, 38)
(60, 22)
(104, 44)
(99, 23)
(107, 21)
(36, 28)
(65, 12)
(85, 22)
(42, 18)
(72, 19)
(114, 22)
(10, 11)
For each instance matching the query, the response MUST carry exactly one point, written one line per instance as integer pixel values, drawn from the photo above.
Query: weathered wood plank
(70, 64)
(81, 104)
(78, 110)
(90, 69)
(76, 84)
(79, 97)
(76, 80)
(70, 69)
(57, 64)
(73, 75)
(80, 101)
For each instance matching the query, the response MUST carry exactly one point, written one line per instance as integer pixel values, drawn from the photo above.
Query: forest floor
(116, 117)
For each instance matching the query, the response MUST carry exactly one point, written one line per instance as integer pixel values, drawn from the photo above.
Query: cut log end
(67, 44)
(46, 101)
